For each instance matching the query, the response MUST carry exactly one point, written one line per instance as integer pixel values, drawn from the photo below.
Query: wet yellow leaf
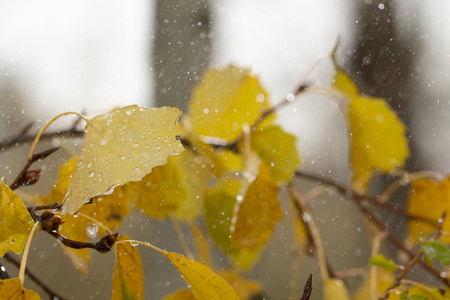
(429, 199)
(109, 210)
(15, 221)
(180, 295)
(128, 277)
(204, 283)
(122, 146)
(224, 102)
(378, 281)
(257, 215)
(244, 287)
(12, 289)
(344, 83)
(177, 188)
(278, 152)
(335, 289)
(378, 140)
(259, 210)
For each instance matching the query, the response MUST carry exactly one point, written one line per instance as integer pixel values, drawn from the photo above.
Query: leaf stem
(26, 250)
(315, 235)
(135, 242)
(38, 136)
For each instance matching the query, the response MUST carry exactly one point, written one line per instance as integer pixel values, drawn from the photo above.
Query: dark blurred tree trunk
(384, 54)
(181, 49)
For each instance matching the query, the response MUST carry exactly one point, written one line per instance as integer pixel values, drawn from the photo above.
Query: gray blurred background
(90, 56)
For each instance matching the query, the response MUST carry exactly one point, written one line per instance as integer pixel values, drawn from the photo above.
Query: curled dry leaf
(15, 221)
(122, 146)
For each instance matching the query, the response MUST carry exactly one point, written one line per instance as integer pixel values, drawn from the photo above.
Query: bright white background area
(76, 55)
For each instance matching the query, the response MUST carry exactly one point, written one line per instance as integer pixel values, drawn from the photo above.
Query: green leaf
(277, 150)
(435, 249)
(381, 261)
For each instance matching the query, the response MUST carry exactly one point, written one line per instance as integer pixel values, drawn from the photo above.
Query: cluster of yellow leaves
(378, 141)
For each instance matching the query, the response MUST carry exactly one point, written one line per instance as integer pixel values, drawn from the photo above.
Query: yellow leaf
(243, 240)
(177, 188)
(429, 199)
(335, 289)
(257, 215)
(204, 283)
(378, 139)
(224, 102)
(109, 210)
(344, 83)
(244, 287)
(374, 285)
(277, 150)
(122, 146)
(12, 289)
(128, 277)
(429, 293)
(180, 295)
(15, 220)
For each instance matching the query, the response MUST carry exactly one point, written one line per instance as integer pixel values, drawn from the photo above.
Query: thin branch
(23, 137)
(361, 201)
(375, 200)
(233, 146)
(398, 279)
(28, 177)
(315, 236)
(35, 278)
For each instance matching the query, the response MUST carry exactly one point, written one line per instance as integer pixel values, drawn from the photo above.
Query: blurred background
(89, 56)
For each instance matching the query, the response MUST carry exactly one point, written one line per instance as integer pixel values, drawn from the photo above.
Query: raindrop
(91, 174)
(122, 157)
(290, 97)
(89, 165)
(92, 230)
(135, 145)
(103, 142)
(134, 243)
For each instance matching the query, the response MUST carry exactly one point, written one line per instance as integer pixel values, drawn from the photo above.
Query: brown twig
(375, 200)
(398, 279)
(23, 137)
(361, 201)
(27, 176)
(35, 278)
